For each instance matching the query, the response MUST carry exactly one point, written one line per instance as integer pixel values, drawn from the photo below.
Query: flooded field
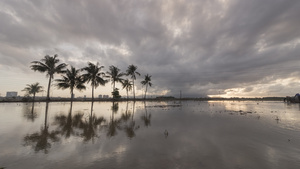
(188, 134)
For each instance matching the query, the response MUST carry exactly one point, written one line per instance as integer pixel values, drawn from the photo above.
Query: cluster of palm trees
(76, 78)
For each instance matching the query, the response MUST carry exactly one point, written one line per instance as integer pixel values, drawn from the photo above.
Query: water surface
(189, 134)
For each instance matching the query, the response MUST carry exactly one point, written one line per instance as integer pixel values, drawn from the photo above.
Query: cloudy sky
(200, 47)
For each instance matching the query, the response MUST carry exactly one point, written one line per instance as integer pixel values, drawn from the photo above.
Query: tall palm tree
(94, 75)
(127, 85)
(146, 82)
(115, 75)
(131, 71)
(71, 80)
(32, 89)
(48, 65)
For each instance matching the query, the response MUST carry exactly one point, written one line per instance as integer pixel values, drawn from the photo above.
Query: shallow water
(189, 134)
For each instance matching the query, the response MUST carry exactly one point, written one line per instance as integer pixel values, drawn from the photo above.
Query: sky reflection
(131, 135)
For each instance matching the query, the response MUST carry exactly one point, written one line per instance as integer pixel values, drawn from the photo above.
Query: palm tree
(131, 70)
(94, 76)
(48, 65)
(72, 80)
(127, 85)
(115, 75)
(146, 82)
(32, 89)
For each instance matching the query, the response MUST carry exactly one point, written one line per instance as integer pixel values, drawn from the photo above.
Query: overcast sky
(223, 48)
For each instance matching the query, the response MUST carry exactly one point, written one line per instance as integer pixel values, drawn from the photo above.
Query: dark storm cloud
(200, 47)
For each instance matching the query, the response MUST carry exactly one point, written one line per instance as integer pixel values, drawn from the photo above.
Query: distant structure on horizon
(105, 96)
(100, 96)
(11, 94)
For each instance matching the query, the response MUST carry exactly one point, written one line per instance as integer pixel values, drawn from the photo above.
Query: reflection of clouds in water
(272, 155)
(287, 116)
(195, 137)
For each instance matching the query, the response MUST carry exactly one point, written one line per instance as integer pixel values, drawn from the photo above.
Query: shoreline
(28, 100)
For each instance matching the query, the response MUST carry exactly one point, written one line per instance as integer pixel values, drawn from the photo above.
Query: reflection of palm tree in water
(91, 125)
(29, 112)
(126, 116)
(67, 124)
(146, 118)
(131, 128)
(114, 124)
(40, 140)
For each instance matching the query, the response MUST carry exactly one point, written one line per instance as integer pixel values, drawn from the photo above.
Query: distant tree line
(73, 78)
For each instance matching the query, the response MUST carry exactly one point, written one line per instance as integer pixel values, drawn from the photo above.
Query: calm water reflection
(187, 134)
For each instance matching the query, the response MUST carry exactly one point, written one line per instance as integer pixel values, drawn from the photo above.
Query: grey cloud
(201, 47)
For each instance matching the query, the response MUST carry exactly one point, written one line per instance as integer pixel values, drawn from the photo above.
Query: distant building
(100, 96)
(105, 96)
(11, 94)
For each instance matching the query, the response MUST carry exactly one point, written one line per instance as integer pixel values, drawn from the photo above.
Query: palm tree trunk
(92, 93)
(92, 100)
(114, 89)
(146, 91)
(71, 107)
(46, 114)
(33, 97)
(127, 93)
(133, 89)
(133, 107)
(72, 96)
(92, 105)
(114, 86)
(49, 84)
(32, 108)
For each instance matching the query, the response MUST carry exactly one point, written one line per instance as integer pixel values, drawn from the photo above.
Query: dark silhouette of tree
(32, 89)
(94, 76)
(131, 71)
(116, 93)
(71, 80)
(146, 82)
(40, 140)
(48, 65)
(115, 75)
(127, 85)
